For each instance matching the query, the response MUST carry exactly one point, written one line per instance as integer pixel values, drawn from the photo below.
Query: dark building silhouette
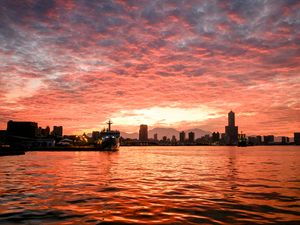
(95, 135)
(182, 136)
(173, 140)
(269, 139)
(297, 138)
(44, 132)
(285, 140)
(57, 131)
(252, 140)
(259, 140)
(215, 137)
(2, 136)
(22, 129)
(231, 131)
(143, 133)
(191, 137)
(155, 137)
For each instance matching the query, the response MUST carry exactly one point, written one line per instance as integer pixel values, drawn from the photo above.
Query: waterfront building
(191, 137)
(22, 129)
(57, 131)
(173, 140)
(259, 140)
(252, 140)
(44, 132)
(95, 135)
(269, 139)
(143, 133)
(285, 140)
(231, 131)
(215, 137)
(182, 137)
(297, 138)
(155, 137)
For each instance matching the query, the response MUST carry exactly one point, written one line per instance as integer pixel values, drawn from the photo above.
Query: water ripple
(152, 185)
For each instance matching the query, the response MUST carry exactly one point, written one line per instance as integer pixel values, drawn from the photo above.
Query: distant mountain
(129, 135)
(169, 132)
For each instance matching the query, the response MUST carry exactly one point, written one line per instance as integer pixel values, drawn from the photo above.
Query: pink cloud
(93, 60)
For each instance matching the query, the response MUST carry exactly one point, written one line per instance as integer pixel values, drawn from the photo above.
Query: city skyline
(179, 64)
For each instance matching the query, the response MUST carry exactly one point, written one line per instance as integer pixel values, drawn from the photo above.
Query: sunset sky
(174, 63)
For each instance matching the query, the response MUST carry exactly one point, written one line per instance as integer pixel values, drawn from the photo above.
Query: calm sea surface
(153, 185)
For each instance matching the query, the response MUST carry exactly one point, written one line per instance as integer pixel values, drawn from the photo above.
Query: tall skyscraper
(143, 133)
(182, 136)
(231, 131)
(191, 137)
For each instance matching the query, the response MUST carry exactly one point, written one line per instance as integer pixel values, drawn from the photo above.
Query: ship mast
(109, 125)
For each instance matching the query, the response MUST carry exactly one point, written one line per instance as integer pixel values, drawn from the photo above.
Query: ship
(109, 140)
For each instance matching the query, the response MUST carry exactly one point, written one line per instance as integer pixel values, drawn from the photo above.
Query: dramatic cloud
(79, 63)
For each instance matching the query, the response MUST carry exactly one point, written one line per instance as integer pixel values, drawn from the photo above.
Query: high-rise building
(173, 140)
(191, 137)
(155, 137)
(182, 136)
(143, 133)
(57, 131)
(231, 131)
(297, 138)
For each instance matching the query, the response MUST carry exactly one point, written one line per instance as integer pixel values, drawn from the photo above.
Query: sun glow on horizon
(164, 116)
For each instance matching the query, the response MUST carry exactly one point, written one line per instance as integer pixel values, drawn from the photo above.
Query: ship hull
(109, 144)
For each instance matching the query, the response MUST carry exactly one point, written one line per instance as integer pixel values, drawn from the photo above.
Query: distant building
(191, 137)
(57, 131)
(155, 137)
(215, 137)
(95, 135)
(143, 133)
(285, 140)
(26, 134)
(223, 137)
(44, 132)
(297, 138)
(22, 129)
(259, 140)
(231, 131)
(173, 140)
(269, 139)
(182, 136)
(252, 140)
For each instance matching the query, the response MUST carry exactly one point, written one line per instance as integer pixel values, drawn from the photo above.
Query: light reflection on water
(153, 185)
